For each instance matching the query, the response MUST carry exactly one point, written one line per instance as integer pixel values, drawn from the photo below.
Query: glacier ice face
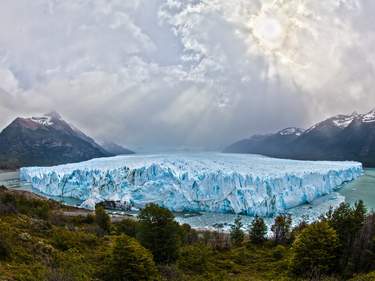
(212, 182)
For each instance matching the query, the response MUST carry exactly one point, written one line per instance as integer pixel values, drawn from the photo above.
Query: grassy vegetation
(38, 242)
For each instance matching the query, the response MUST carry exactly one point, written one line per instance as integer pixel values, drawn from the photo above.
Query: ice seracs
(213, 182)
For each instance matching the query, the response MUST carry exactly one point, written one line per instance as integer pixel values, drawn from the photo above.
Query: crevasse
(213, 182)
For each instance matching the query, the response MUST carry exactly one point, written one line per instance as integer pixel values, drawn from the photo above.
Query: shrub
(315, 251)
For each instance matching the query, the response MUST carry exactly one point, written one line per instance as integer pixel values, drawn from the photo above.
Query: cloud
(196, 73)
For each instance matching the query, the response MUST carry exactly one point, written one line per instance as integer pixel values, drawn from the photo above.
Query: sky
(199, 74)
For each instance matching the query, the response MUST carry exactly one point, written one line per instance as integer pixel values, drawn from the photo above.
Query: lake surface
(361, 189)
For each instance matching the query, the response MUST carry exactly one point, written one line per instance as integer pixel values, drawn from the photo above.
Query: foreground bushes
(46, 245)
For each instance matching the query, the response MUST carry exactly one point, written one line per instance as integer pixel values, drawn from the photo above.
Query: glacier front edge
(211, 182)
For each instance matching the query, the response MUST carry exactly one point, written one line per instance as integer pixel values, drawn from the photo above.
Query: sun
(268, 31)
(273, 31)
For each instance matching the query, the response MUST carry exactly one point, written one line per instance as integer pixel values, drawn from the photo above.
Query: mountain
(342, 137)
(116, 149)
(44, 141)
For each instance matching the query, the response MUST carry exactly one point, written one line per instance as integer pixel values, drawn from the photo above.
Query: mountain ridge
(341, 137)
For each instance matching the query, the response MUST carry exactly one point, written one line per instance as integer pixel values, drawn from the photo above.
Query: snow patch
(291, 131)
(369, 117)
(45, 120)
(343, 122)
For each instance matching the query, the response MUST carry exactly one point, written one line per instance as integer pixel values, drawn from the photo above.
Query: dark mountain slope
(47, 140)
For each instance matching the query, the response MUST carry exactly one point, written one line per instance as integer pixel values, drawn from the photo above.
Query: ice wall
(214, 182)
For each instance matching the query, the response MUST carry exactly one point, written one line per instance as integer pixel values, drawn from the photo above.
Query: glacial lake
(360, 189)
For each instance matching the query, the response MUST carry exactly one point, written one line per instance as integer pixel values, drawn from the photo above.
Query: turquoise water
(361, 189)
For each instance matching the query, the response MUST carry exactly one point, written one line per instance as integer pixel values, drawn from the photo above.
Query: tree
(102, 219)
(159, 233)
(236, 233)
(362, 256)
(347, 221)
(281, 229)
(128, 260)
(257, 230)
(315, 251)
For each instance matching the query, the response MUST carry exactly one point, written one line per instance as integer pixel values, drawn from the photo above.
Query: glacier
(195, 182)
